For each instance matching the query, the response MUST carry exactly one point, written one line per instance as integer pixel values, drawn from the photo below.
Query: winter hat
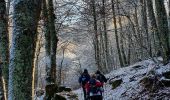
(98, 72)
(85, 71)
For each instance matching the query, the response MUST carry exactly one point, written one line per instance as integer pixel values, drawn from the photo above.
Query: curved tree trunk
(25, 19)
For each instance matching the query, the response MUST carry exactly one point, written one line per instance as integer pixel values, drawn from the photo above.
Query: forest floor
(145, 80)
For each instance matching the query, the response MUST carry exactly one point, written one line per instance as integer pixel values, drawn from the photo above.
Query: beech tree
(116, 33)
(163, 29)
(50, 44)
(96, 41)
(154, 28)
(25, 20)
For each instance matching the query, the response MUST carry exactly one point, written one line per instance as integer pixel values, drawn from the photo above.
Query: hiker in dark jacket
(83, 79)
(100, 77)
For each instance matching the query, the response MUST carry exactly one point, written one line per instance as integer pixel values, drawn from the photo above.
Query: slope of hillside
(141, 81)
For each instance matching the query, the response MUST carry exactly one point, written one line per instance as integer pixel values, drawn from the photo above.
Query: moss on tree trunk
(163, 29)
(4, 43)
(25, 19)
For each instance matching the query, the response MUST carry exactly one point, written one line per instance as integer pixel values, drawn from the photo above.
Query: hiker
(93, 89)
(83, 79)
(100, 77)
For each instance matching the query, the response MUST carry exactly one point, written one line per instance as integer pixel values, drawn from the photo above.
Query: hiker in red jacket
(93, 89)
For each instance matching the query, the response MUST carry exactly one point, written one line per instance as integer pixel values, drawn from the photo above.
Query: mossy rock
(59, 97)
(51, 89)
(67, 89)
(150, 83)
(146, 82)
(116, 83)
(61, 88)
(166, 75)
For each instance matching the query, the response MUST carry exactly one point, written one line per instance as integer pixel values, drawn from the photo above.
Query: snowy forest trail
(131, 83)
(46, 44)
(106, 92)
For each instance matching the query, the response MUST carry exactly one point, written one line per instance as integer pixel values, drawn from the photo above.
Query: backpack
(93, 88)
(101, 78)
(84, 79)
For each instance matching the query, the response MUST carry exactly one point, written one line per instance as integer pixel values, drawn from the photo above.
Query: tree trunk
(144, 28)
(36, 67)
(105, 37)
(96, 46)
(51, 40)
(101, 48)
(121, 35)
(1, 83)
(54, 39)
(50, 47)
(154, 27)
(116, 34)
(129, 50)
(130, 41)
(47, 41)
(138, 36)
(25, 19)
(4, 46)
(169, 14)
(163, 29)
